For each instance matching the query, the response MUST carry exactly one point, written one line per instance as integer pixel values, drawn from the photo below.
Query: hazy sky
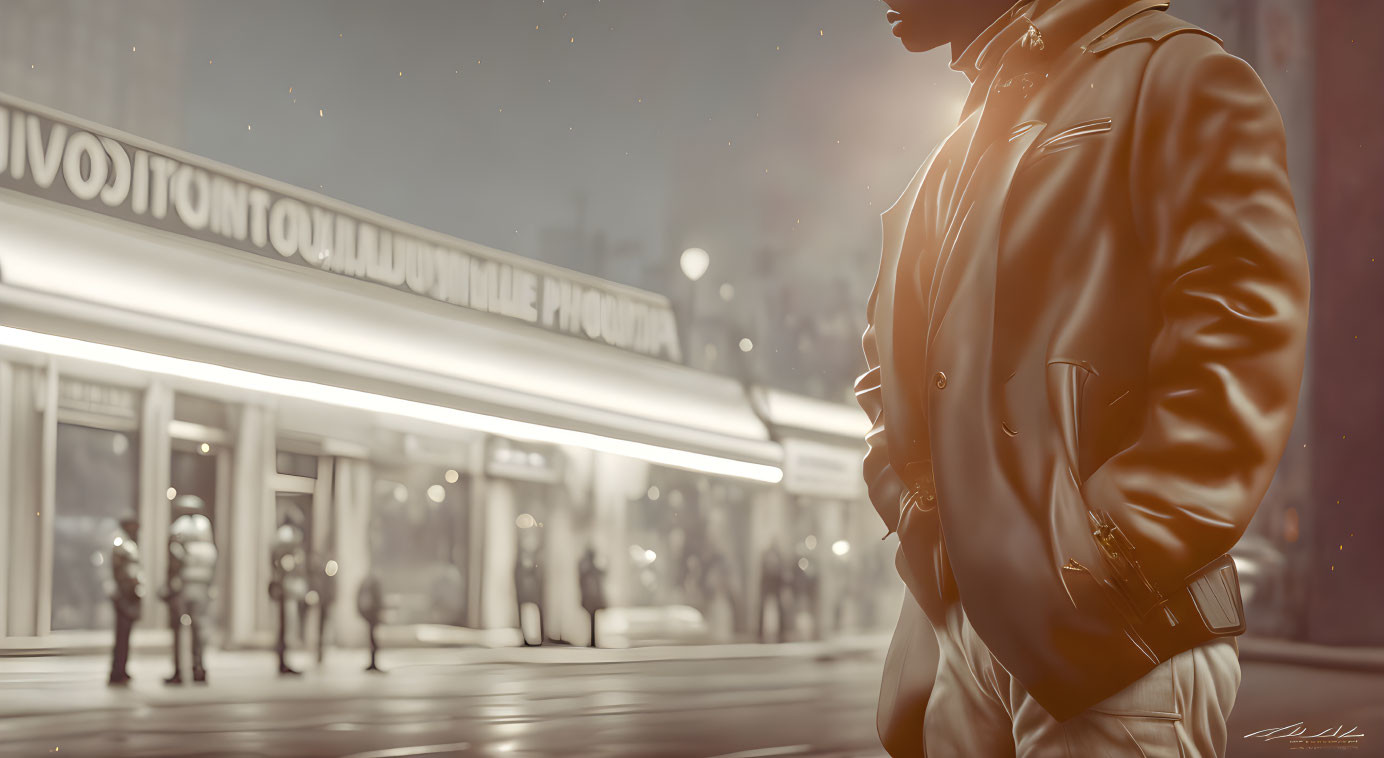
(735, 125)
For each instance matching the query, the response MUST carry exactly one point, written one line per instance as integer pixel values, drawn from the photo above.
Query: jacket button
(941, 380)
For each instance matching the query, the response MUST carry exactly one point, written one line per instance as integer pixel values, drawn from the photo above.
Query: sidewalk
(51, 684)
(37, 685)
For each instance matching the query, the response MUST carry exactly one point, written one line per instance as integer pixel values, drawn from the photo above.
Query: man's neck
(975, 17)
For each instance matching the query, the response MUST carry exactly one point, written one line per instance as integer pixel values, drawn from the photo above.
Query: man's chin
(916, 43)
(915, 46)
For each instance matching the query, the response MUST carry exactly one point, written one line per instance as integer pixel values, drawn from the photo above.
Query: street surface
(568, 702)
(794, 705)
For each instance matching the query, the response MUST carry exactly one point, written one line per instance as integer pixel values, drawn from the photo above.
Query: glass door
(420, 522)
(97, 485)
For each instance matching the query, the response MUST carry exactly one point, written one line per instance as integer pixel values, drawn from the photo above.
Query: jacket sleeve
(883, 484)
(1213, 207)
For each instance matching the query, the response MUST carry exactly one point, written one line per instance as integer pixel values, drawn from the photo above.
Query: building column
(6, 501)
(250, 495)
(155, 515)
(26, 413)
(351, 504)
(498, 610)
(617, 481)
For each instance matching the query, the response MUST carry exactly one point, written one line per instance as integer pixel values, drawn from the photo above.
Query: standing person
(128, 592)
(528, 586)
(322, 581)
(287, 582)
(771, 591)
(370, 604)
(1084, 353)
(191, 569)
(592, 577)
(806, 585)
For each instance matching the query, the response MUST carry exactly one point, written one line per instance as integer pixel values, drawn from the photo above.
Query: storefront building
(421, 405)
(838, 575)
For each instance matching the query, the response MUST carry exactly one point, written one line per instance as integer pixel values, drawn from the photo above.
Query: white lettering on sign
(78, 166)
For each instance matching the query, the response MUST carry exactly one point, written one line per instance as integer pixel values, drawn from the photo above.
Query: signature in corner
(1298, 731)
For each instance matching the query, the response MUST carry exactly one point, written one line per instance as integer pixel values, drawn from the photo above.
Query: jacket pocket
(1073, 135)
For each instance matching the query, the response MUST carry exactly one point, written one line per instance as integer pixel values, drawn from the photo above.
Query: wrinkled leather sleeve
(1212, 204)
(884, 485)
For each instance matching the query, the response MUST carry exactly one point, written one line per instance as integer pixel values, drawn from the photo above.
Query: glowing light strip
(369, 401)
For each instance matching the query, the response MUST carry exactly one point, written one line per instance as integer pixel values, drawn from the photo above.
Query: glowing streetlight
(695, 261)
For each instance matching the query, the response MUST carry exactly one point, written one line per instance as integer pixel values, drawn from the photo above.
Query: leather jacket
(1085, 344)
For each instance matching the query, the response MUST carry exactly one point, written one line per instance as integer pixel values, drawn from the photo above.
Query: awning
(823, 443)
(73, 274)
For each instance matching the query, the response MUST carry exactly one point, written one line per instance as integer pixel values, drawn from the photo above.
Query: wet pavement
(793, 705)
(805, 702)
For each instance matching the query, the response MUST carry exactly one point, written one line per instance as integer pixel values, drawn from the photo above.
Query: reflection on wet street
(745, 701)
(751, 707)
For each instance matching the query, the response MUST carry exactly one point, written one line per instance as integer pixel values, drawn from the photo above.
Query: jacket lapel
(973, 229)
(896, 221)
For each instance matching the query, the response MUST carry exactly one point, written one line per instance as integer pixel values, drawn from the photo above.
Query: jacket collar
(1047, 28)
(974, 59)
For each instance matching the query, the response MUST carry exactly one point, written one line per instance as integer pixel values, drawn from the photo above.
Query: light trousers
(1177, 710)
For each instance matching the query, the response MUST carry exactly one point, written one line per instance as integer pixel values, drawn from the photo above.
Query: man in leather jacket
(1084, 352)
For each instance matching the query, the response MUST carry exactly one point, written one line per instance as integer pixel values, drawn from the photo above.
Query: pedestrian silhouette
(191, 568)
(370, 604)
(127, 592)
(287, 583)
(528, 588)
(771, 588)
(322, 591)
(592, 578)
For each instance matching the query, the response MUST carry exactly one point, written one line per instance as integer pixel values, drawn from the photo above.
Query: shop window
(97, 486)
(419, 529)
(295, 508)
(689, 543)
(193, 472)
(837, 584)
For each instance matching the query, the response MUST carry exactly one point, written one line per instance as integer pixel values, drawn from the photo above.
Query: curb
(80, 658)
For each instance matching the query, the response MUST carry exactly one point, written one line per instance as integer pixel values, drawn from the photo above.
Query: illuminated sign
(816, 469)
(61, 159)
